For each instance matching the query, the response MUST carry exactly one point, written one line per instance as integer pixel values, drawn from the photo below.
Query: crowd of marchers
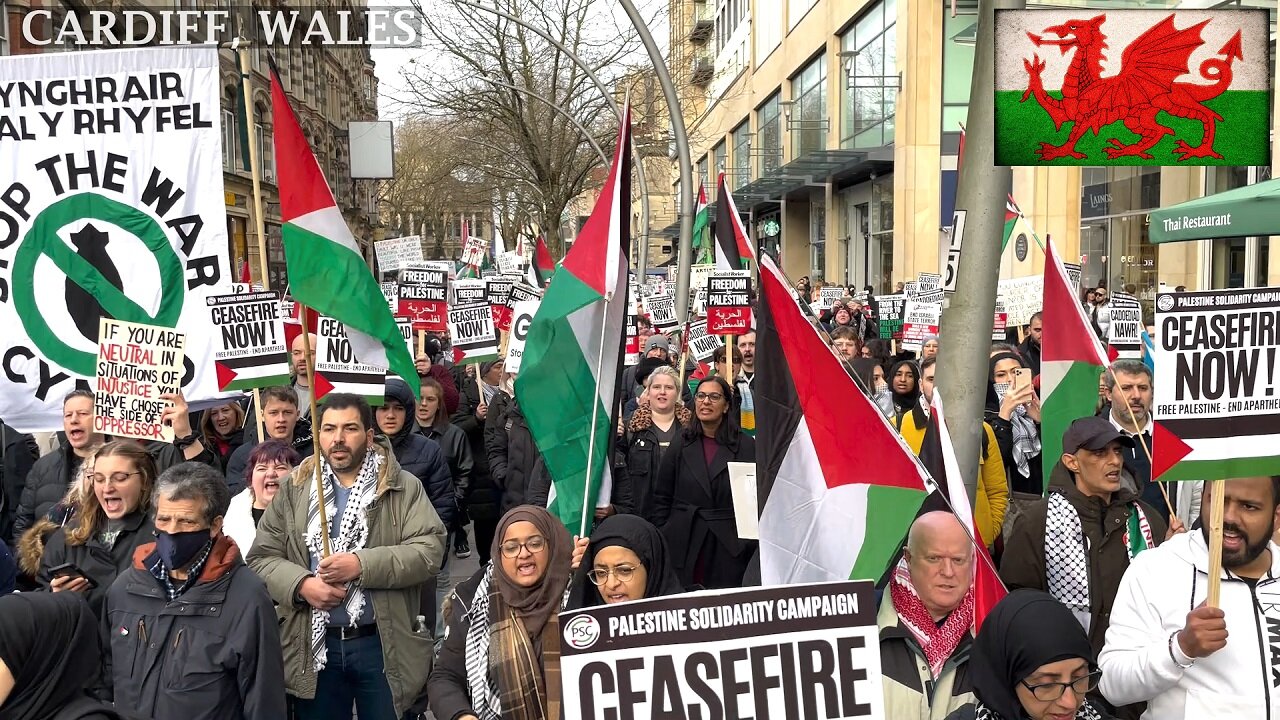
(194, 579)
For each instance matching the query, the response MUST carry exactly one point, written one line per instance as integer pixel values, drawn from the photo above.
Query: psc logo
(94, 285)
(582, 632)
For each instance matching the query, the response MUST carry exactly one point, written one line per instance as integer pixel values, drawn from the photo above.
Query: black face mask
(177, 550)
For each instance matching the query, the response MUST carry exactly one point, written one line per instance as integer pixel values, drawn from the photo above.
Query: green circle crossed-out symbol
(42, 241)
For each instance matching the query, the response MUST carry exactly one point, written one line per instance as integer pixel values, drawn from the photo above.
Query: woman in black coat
(693, 502)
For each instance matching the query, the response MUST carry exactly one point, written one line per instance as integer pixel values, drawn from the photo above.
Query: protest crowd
(207, 592)
(754, 511)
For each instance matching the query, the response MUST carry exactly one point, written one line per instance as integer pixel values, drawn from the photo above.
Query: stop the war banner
(788, 651)
(111, 179)
(253, 353)
(522, 314)
(1217, 399)
(337, 369)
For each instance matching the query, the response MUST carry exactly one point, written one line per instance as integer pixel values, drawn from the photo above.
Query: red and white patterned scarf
(937, 641)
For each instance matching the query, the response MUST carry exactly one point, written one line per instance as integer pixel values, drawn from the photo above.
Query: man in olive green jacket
(349, 624)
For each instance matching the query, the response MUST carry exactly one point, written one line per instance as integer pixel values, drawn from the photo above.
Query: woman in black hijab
(49, 657)
(904, 383)
(626, 560)
(1031, 661)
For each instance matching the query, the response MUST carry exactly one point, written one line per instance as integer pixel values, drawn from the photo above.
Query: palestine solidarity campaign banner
(111, 167)
(786, 651)
(1208, 69)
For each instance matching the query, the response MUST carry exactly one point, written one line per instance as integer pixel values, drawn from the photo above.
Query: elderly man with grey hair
(193, 631)
(926, 622)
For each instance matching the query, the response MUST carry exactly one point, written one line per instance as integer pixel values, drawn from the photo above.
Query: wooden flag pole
(728, 358)
(422, 343)
(1217, 488)
(260, 226)
(315, 428)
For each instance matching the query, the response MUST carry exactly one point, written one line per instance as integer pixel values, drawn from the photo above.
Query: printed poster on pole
(337, 369)
(729, 303)
(472, 333)
(522, 314)
(702, 344)
(424, 296)
(254, 353)
(662, 311)
(1125, 332)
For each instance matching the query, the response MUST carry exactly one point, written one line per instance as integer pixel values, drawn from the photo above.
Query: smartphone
(1021, 378)
(70, 570)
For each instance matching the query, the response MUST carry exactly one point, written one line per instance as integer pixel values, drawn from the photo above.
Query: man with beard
(1165, 647)
(349, 609)
(301, 379)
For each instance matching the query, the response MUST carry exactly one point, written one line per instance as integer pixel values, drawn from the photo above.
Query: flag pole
(241, 49)
(595, 416)
(315, 424)
(728, 358)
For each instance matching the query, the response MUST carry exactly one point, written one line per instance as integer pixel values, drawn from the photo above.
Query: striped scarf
(353, 533)
(1066, 549)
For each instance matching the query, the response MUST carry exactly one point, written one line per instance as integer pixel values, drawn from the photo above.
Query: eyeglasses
(624, 573)
(708, 397)
(1048, 692)
(534, 545)
(116, 478)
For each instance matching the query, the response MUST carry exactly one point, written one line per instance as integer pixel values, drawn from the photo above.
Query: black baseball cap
(1092, 433)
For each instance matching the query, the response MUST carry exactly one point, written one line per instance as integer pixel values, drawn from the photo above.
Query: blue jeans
(443, 586)
(353, 674)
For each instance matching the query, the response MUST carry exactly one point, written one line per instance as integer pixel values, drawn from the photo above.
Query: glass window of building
(817, 239)
(959, 35)
(1115, 243)
(881, 245)
(4, 28)
(807, 113)
(741, 173)
(796, 10)
(1228, 255)
(703, 167)
(869, 84)
(769, 134)
(729, 15)
(719, 164)
(228, 138)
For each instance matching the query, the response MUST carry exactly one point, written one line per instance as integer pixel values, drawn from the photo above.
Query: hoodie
(1160, 588)
(422, 456)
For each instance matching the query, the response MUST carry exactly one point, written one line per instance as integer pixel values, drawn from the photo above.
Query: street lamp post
(681, 137)
(642, 256)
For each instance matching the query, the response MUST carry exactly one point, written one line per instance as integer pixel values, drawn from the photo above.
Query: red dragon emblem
(1137, 93)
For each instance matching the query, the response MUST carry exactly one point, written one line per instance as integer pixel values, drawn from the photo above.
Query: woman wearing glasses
(499, 623)
(693, 502)
(113, 519)
(626, 560)
(1032, 661)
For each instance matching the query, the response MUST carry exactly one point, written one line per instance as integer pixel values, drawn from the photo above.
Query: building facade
(837, 124)
(328, 88)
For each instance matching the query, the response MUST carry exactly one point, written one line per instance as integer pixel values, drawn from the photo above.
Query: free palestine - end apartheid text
(1187, 222)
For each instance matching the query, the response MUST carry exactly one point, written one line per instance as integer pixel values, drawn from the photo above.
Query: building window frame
(870, 80)
(740, 155)
(769, 135)
(229, 137)
(4, 29)
(807, 120)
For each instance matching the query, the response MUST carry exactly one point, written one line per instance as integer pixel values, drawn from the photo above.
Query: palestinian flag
(327, 272)
(1041, 54)
(567, 386)
(987, 587)
(733, 247)
(1015, 224)
(703, 254)
(1017, 244)
(542, 266)
(827, 514)
(1071, 361)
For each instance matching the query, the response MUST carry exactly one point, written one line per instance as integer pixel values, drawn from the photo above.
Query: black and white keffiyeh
(353, 533)
(1026, 439)
(1086, 712)
(484, 690)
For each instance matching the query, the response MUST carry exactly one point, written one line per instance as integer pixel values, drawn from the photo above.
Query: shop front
(1115, 244)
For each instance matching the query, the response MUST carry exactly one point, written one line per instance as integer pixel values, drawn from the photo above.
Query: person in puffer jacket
(418, 455)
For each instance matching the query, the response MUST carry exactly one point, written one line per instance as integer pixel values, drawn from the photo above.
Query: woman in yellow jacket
(993, 484)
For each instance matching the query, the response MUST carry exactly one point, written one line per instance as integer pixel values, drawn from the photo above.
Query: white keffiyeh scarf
(1026, 439)
(353, 533)
(1086, 712)
(1066, 553)
(484, 691)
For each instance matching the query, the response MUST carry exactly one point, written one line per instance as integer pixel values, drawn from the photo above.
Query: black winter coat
(483, 498)
(643, 458)
(101, 563)
(238, 463)
(457, 452)
(447, 687)
(693, 506)
(423, 458)
(46, 485)
(512, 452)
(20, 454)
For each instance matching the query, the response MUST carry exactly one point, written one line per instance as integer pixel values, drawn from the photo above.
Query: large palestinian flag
(327, 271)
(1193, 61)
(1071, 361)
(828, 514)
(703, 253)
(573, 356)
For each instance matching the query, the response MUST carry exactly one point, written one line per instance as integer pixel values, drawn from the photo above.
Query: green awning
(1243, 212)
